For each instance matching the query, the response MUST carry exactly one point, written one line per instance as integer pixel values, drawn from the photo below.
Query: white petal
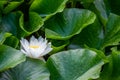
(43, 48)
(34, 53)
(47, 50)
(32, 40)
(40, 50)
(27, 53)
(35, 42)
(24, 44)
(24, 52)
(40, 39)
(44, 43)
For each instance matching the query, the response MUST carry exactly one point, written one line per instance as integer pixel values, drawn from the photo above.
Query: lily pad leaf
(12, 41)
(10, 57)
(3, 36)
(79, 64)
(31, 69)
(59, 45)
(8, 6)
(111, 71)
(91, 36)
(46, 7)
(33, 23)
(68, 23)
(112, 36)
(8, 23)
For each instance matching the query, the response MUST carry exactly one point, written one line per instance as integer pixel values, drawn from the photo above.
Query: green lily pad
(31, 69)
(79, 64)
(64, 25)
(10, 57)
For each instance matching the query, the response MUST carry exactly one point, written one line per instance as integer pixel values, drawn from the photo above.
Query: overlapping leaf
(15, 24)
(79, 64)
(3, 36)
(112, 35)
(59, 45)
(69, 23)
(7, 6)
(33, 23)
(12, 41)
(101, 8)
(8, 23)
(111, 71)
(29, 70)
(47, 7)
(91, 36)
(10, 57)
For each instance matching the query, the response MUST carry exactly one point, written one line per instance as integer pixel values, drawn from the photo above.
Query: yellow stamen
(32, 46)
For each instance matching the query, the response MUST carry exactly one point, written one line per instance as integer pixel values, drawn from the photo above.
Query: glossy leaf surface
(69, 23)
(79, 64)
(31, 69)
(10, 57)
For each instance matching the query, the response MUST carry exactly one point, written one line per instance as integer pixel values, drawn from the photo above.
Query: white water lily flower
(36, 48)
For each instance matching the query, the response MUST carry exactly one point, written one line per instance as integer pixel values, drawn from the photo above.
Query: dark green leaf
(111, 71)
(12, 41)
(69, 23)
(47, 7)
(3, 36)
(114, 6)
(33, 24)
(8, 6)
(58, 45)
(8, 23)
(79, 64)
(15, 24)
(92, 36)
(86, 1)
(101, 8)
(10, 57)
(112, 35)
(31, 69)
(2, 5)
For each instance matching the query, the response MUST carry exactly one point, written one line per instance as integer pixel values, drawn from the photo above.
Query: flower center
(32, 46)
